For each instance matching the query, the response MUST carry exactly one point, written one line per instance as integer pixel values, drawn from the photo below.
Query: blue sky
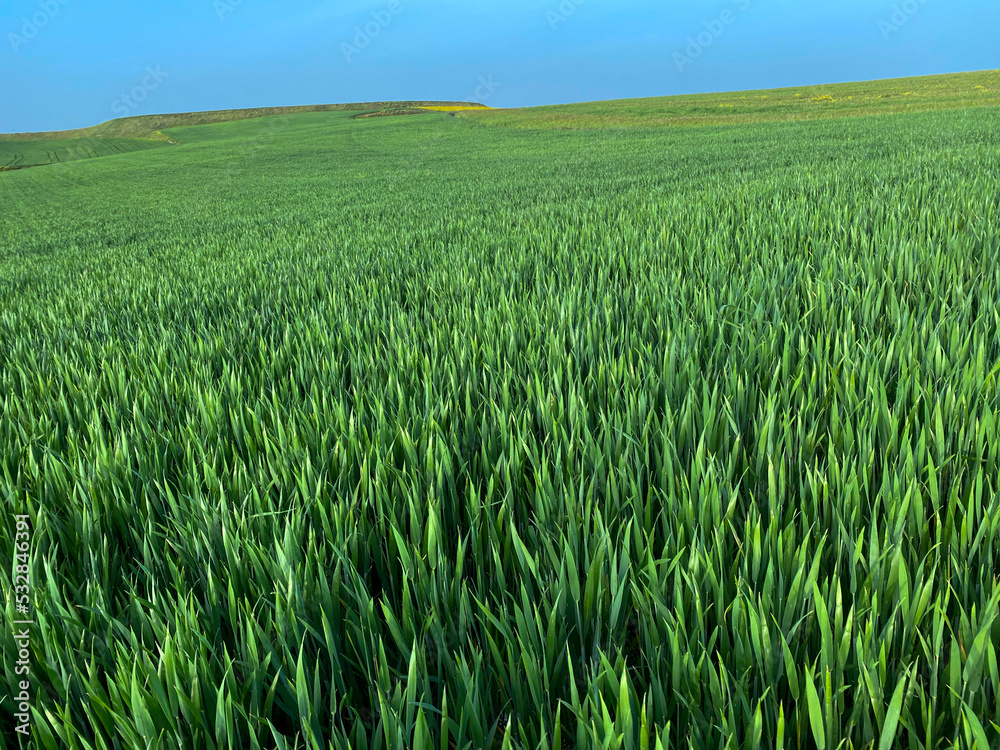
(73, 63)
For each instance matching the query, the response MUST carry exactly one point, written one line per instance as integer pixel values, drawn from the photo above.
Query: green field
(19, 150)
(898, 95)
(407, 432)
(17, 154)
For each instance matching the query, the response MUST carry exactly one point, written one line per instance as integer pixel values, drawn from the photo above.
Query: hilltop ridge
(150, 126)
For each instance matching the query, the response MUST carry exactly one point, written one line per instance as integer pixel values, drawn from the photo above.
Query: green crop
(18, 154)
(409, 432)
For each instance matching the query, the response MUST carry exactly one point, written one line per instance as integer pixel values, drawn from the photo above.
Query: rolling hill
(883, 97)
(146, 131)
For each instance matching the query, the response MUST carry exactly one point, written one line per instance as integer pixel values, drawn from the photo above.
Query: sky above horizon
(73, 63)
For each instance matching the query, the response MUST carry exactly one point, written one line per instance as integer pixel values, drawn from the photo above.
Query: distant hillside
(149, 126)
(883, 97)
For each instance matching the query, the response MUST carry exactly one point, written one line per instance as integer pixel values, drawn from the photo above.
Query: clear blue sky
(73, 63)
